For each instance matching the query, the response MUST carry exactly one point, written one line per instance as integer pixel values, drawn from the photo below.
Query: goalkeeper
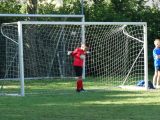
(79, 55)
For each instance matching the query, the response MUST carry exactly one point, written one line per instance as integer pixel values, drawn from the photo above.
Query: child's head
(84, 46)
(157, 42)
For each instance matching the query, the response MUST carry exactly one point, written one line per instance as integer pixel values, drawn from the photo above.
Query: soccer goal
(38, 50)
(11, 78)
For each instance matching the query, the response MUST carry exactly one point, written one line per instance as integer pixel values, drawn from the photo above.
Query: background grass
(63, 103)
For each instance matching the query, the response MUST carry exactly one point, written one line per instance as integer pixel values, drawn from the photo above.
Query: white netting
(116, 51)
(117, 54)
(47, 46)
(11, 34)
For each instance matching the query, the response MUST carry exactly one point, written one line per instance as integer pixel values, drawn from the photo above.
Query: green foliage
(10, 6)
(96, 11)
(100, 10)
(46, 9)
(68, 7)
(23, 9)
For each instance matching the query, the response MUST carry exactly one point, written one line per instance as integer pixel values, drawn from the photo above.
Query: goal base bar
(132, 87)
(5, 94)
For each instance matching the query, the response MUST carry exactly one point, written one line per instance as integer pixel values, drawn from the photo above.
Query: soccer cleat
(83, 90)
(78, 90)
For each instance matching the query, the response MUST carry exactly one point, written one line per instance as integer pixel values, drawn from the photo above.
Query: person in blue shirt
(156, 56)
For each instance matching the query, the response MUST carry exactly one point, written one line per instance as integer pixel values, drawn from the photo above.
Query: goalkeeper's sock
(79, 85)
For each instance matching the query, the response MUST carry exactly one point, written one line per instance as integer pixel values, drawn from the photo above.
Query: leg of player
(158, 80)
(79, 84)
(155, 78)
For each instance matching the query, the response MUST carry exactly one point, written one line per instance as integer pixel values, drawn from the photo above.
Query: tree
(10, 6)
(32, 6)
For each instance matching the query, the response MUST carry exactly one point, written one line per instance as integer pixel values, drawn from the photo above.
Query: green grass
(63, 103)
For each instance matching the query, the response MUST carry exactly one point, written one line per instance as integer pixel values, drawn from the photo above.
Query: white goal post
(6, 73)
(118, 50)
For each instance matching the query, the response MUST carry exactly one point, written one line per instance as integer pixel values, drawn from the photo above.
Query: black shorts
(78, 71)
(157, 68)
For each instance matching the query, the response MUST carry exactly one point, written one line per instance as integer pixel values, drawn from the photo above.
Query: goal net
(10, 73)
(38, 50)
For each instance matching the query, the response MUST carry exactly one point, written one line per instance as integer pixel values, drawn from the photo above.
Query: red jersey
(76, 54)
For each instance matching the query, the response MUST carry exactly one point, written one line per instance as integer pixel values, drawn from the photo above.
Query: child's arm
(69, 52)
(73, 53)
(158, 56)
(155, 55)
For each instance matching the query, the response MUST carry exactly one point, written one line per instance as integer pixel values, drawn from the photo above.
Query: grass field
(63, 103)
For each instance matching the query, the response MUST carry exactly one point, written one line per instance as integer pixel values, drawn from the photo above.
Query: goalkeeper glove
(82, 56)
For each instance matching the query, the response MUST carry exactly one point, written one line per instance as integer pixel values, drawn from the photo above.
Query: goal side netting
(116, 54)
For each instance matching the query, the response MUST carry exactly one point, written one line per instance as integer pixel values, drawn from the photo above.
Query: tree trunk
(32, 6)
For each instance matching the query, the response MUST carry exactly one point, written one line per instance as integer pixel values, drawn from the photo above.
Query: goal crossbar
(106, 35)
(83, 23)
(41, 15)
